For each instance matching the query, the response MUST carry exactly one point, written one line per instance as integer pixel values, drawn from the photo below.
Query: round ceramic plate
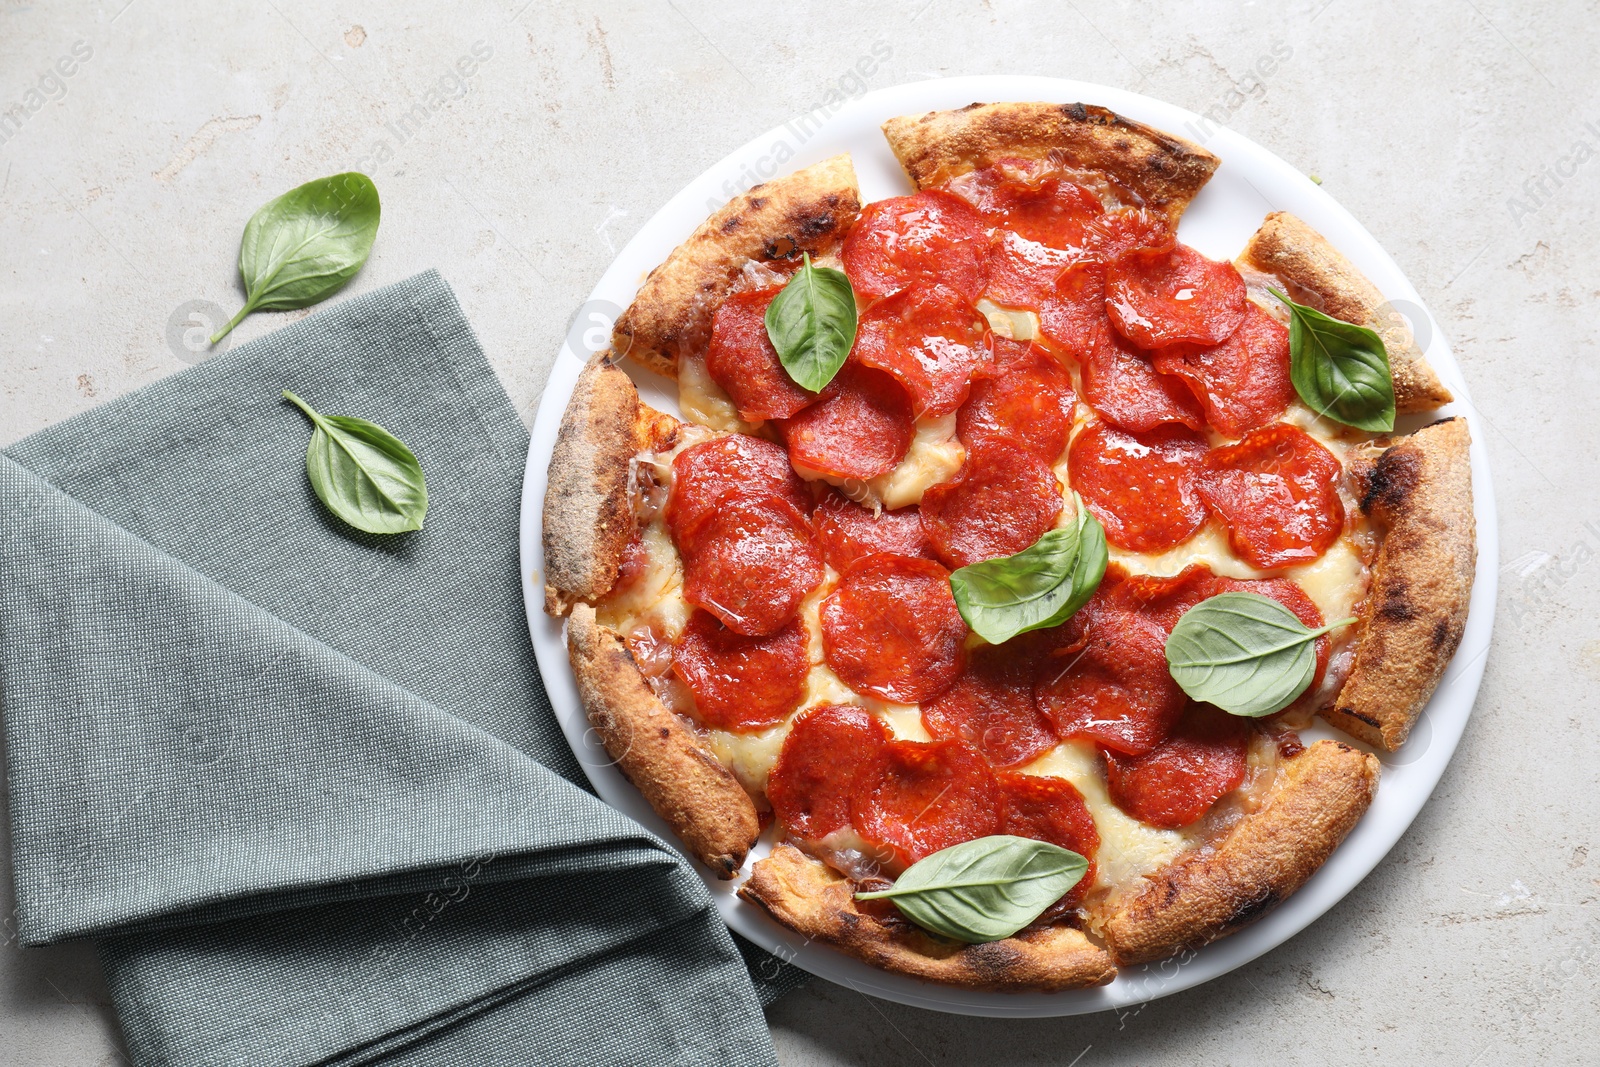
(1249, 183)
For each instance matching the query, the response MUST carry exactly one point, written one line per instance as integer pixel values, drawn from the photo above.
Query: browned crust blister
(1210, 893)
(1419, 491)
(1164, 172)
(1317, 275)
(807, 211)
(817, 903)
(657, 750)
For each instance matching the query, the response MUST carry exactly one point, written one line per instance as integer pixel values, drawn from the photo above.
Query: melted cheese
(702, 400)
(1336, 581)
(935, 456)
(1008, 322)
(825, 687)
(905, 722)
(749, 756)
(661, 581)
(1128, 848)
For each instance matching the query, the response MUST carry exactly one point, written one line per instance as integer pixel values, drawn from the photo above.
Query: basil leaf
(986, 889)
(1247, 654)
(363, 473)
(305, 245)
(812, 324)
(1340, 370)
(1040, 586)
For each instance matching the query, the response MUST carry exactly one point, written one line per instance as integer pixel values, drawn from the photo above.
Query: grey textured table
(1463, 133)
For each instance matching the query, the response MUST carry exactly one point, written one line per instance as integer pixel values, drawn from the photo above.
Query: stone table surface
(1462, 133)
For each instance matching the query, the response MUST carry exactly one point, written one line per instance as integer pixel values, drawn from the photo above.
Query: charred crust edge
(1163, 171)
(807, 211)
(1419, 494)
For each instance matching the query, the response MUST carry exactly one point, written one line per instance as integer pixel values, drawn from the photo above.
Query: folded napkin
(303, 783)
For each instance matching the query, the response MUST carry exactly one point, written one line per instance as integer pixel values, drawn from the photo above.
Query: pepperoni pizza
(761, 616)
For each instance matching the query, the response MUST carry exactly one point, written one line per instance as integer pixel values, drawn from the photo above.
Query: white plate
(1249, 183)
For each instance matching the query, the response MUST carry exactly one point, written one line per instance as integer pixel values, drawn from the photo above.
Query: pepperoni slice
(1051, 809)
(1022, 273)
(633, 565)
(860, 428)
(1292, 597)
(1162, 298)
(931, 339)
(920, 797)
(1073, 314)
(820, 766)
(1122, 384)
(892, 629)
(1163, 600)
(741, 683)
(1006, 354)
(1141, 486)
(750, 562)
(1115, 689)
(991, 706)
(1117, 232)
(1028, 403)
(846, 531)
(1243, 382)
(1177, 781)
(1042, 226)
(704, 473)
(1051, 210)
(1002, 501)
(979, 187)
(1277, 493)
(742, 360)
(931, 236)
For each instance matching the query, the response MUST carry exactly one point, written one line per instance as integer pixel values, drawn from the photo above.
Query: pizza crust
(817, 903)
(1210, 893)
(1317, 275)
(588, 518)
(1419, 491)
(588, 512)
(1162, 171)
(686, 785)
(807, 211)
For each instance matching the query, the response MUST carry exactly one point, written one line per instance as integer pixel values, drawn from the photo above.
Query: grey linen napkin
(303, 783)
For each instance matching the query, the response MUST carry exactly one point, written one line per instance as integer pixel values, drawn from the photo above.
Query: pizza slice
(1415, 491)
(763, 619)
(754, 239)
(1313, 272)
(1122, 161)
